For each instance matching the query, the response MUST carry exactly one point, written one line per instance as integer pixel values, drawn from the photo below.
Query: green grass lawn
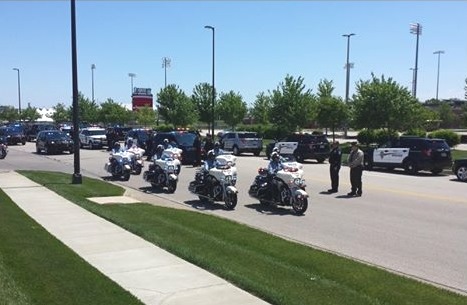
(36, 268)
(278, 271)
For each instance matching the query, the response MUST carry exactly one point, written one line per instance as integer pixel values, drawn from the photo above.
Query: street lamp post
(347, 78)
(76, 178)
(19, 92)
(165, 65)
(415, 28)
(213, 69)
(93, 67)
(437, 78)
(131, 75)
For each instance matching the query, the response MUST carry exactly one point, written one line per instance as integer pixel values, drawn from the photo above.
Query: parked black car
(459, 168)
(181, 139)
(53, 141)
(412, 154)
(35, 128)
(13, 135)
(302, 146)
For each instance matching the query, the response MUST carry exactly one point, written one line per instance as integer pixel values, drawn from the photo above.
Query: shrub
(449, 136)
(366, 136)
(382, 136)
(418, 132)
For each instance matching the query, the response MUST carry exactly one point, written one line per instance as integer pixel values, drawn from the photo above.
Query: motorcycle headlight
(170, 168)
(228, 179)
(299, 181)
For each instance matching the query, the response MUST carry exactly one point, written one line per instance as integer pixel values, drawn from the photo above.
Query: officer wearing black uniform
(335, 159)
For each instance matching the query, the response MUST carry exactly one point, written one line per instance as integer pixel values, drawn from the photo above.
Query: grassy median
(278, 271)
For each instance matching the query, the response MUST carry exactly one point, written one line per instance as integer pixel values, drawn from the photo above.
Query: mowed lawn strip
(36, 268)
(278, 271)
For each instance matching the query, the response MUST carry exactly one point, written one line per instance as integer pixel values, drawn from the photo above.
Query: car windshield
(57, 136)
(14, 129)
(97, 132)
(247, 135)
(185, 138)
(314, 139)
(439, 144)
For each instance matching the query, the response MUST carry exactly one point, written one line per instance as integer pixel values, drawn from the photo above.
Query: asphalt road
(414, 225)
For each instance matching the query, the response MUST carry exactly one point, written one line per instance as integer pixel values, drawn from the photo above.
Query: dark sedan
(13, 135)
(459, 168)
(53, 141)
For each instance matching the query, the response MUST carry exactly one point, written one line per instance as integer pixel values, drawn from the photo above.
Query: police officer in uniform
(335, 159)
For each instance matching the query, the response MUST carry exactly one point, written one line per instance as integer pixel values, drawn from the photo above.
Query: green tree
(383, 103)
(88, 110)
(202, 98)
(176, 107)
(30, 114)
(331, 111)
(446, 115)
(145, 116)
(292, 105)
(9, 113)
(61, 113)
(232, 108)
(113, 113)
(261, 109)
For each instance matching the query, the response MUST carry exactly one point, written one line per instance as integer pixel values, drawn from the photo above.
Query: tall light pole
(213, 69)
(165, 65)
(131, 75)
(347, 78)
(437, 78)
(76, 178)
(93, 67)
(19, 92)
(415, 28)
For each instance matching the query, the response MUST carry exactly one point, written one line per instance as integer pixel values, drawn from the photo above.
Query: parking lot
(409, 224)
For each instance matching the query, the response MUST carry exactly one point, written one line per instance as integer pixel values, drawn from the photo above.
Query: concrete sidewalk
(148, 272)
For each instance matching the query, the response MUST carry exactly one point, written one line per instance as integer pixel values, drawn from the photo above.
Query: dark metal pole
(213, 77)
(76, 179)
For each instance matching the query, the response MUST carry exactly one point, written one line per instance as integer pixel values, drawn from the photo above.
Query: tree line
(378, 103)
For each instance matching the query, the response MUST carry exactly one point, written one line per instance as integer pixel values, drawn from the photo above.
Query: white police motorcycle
(136, 156)
(163, 172)
(290, 184)
(119, 164)
(219, 183)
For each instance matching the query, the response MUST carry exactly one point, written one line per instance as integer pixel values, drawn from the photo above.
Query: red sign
(141, 97)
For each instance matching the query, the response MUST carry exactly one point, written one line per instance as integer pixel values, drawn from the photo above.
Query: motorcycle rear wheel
(300, 205)
(231, 201)
(2, 153)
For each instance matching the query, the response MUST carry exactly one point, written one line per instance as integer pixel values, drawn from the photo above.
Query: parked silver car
(242, 141)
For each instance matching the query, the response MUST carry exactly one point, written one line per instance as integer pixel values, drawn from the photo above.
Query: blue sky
(257, 44)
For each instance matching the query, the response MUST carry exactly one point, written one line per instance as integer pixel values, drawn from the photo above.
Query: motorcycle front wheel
(138, 170)
(2, 153)
(172, 186)
(300, 205)
(230, 201)
(126, 177)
